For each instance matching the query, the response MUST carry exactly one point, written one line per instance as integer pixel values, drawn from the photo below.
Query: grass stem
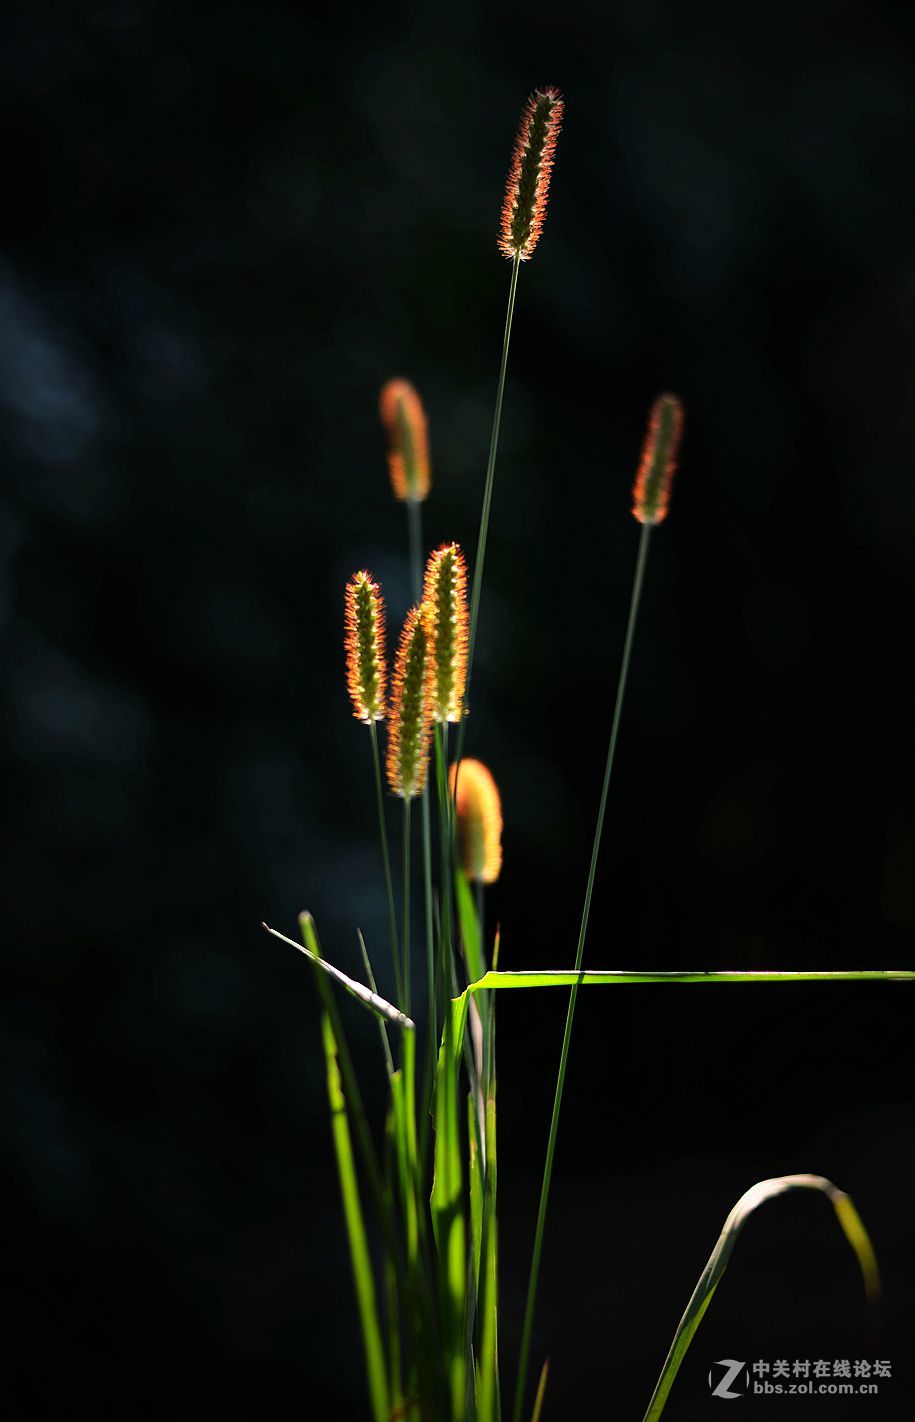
(415, 535)
(635, 599)
(477, 585)
(386, 860)
(405, 927)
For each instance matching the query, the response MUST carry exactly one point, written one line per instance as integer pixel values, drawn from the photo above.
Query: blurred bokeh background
(225, 227)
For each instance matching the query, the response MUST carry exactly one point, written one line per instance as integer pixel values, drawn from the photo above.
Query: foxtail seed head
(651, 492)
(445, 594)
(404, 419)
(366, 669)
(410, 717)
(524, 208)
(479, 820)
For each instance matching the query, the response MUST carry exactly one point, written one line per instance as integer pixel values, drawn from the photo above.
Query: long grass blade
(376, 1364)
(359, 991)
(488, 1310)
(469, 921)
(448, 1221)
(852, 1227)
(475, 1184)
(547, 978)
(541, 1391)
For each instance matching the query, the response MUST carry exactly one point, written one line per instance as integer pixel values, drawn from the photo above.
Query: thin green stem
(405, 925)
(635, 599)
(386, 860)
(446, 834)
(382, 1025)
(477, 585)
(427, 896)
(415, 533)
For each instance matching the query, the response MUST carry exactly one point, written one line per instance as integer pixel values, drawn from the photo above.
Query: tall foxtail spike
(366, 667)
(528, 186)
(651, 492)
(445, 594)
(404, 420)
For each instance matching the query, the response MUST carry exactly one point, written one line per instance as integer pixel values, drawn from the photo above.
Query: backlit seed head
(404, 419)
(479, 820)
(366, 670)
(445, 594)
(527, 190)
(410, 716)
(651, 492)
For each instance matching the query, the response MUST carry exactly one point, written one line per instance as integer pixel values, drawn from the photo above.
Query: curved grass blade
(852, 1227)
(359, 991)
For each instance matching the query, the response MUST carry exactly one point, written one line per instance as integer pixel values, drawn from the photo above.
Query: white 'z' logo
(732, 1371)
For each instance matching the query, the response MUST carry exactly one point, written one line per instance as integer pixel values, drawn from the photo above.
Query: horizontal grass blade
(852, 1227)
(607, 978)
(359, 991)
(546, 978)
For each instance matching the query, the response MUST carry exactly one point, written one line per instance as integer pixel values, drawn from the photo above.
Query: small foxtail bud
(479, 820)
(651, 492)
(366, 668)
(410, 716)
(404, 419)
(445, 594)
(527, 190)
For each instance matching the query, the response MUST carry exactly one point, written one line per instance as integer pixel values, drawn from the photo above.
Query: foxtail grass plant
(421, 1217)
(651, 495)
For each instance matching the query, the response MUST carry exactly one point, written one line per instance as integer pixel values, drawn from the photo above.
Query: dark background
(225, 227)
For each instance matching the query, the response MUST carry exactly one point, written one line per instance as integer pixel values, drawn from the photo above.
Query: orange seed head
(410, 717)
(527, 190)
(404, 419)
(479, 820)
(445, 594)
(651, 492)
(366, 669)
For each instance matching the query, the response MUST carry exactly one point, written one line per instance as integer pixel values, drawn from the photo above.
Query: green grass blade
(392, 1291)
(541, 1391)
(851, 1225)
(359, 991)
(547, 978)
(376, 1365)
(550, 978)
(405, 1177)
(469, 924)
(380, 1191)
(448, 1219)
(488, 1310)
(475, 1180)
